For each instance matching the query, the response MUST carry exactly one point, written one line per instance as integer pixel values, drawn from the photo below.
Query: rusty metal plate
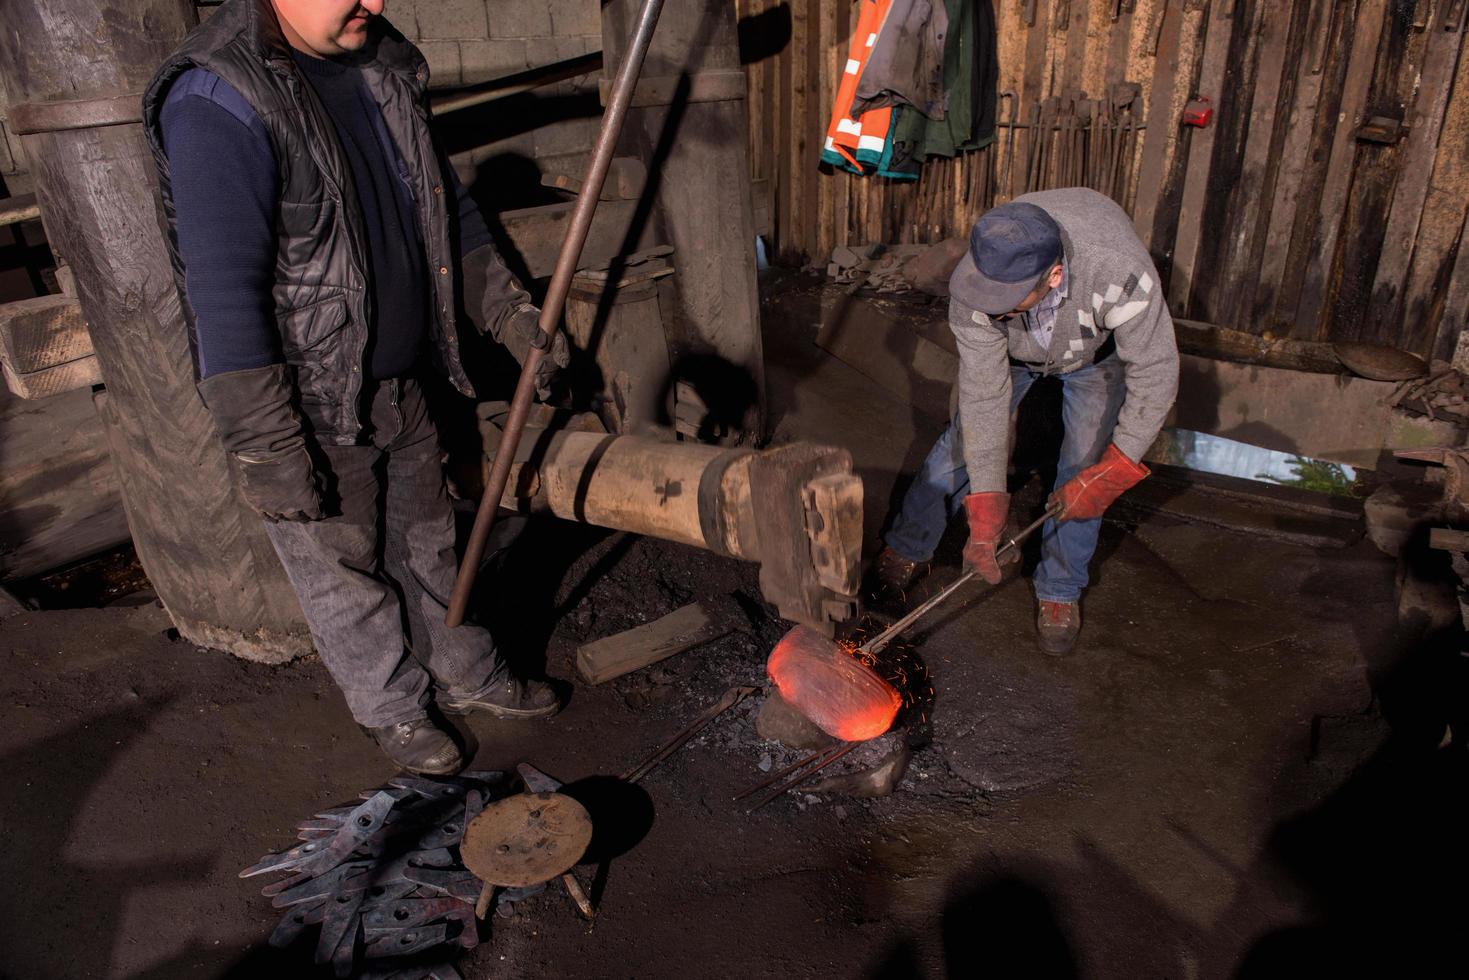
(1380, 362)
(526, 839)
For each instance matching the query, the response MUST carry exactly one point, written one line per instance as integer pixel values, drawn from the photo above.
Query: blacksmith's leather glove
(262, 433)
(987, 513)
(498, 306)
(1089, 493)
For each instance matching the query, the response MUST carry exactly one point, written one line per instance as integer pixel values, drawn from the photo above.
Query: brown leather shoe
(893, 572)
(1057, 623)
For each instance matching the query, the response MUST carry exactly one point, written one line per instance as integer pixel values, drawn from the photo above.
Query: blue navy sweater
(226, 190)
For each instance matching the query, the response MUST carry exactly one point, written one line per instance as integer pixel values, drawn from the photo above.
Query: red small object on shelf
(1198, 112)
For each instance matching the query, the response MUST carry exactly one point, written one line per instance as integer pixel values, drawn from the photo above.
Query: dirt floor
(1242, 772)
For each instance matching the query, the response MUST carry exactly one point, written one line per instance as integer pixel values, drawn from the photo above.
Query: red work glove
(1089, 493)
(986, 513)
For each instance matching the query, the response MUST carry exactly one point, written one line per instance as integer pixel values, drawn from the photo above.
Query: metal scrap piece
(317, 856)
(404, 942)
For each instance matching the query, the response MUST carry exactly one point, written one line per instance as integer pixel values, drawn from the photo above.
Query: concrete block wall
(466, 42)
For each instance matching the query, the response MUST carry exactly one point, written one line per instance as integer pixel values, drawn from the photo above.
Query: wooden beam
(685, 628)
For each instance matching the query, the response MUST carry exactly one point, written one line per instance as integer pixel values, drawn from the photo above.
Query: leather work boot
(891, 572)
(1058, 623)
(419, 746)
(508, 698)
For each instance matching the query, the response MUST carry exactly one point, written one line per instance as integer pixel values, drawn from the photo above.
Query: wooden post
(688, 124)
(75, 70)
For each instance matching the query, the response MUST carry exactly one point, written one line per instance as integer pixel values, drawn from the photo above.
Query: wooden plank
(1220, 34)
(84, 372)
(1416, 168)
(1170, 189)
(536, 234)
(1294, 158)
(1455, 322)
(1377, 172)
(42, 332)
(832, 54)
(1366, 30)
(798, 230)
(842, 191)
(1447, 539)
(1239, 270)
(685, 628)
(785, 230)
(1160, 122)
(1074, 30)
(21, 207)
(59, 496)
(1427, 327)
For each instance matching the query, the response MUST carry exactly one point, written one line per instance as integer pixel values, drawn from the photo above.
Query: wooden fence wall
(1327, 199)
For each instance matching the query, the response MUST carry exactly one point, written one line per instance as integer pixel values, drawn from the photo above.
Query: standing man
(316, 232)
(1054, 283)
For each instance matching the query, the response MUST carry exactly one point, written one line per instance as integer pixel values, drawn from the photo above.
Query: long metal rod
(566, 262)
(881, 640)
(731, 698)
(782, 773)
(791, 784)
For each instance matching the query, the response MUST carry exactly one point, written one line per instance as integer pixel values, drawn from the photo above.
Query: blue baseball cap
(1011, 248)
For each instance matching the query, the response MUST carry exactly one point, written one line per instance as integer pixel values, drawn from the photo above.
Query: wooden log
(683, 629)
(204, 550)
(1226, 344)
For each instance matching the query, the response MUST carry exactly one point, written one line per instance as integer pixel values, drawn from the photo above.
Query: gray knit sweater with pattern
(1112, 287)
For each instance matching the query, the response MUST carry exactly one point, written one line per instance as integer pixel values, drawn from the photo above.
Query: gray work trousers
(374, 578)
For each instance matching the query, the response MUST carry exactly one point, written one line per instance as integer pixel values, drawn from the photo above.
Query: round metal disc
(526, 839)
(1380, 362)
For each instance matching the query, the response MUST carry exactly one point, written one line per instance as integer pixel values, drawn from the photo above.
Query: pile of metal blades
(383, 878)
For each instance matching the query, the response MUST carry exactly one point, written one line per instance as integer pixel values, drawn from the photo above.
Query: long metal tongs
(576, 237)
(881, 640)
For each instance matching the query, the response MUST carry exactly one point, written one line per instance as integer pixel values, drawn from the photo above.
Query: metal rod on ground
(576, 237)
(731, 698)
(781, 774)
(791, 784)
(881, 640)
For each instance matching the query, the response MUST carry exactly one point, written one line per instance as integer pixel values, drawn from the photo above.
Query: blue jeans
(1091, 397)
